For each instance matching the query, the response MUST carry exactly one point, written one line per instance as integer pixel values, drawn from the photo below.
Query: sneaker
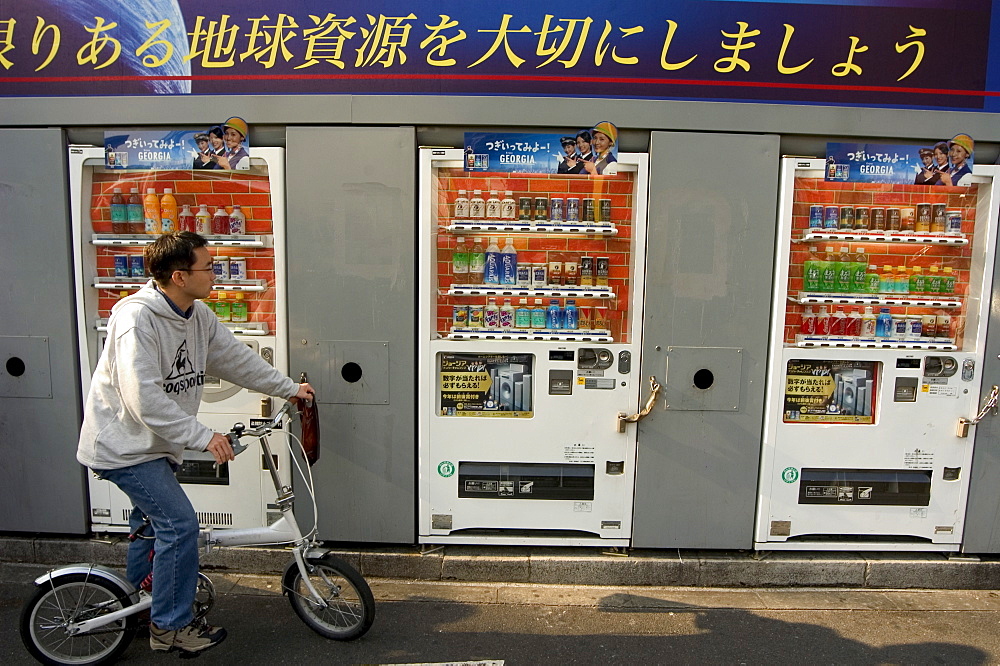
(196, 637)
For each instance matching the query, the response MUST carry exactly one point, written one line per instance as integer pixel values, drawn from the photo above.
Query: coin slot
(351, 372)
(704, 379)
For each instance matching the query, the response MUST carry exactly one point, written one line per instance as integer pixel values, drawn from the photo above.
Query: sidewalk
(572, 566)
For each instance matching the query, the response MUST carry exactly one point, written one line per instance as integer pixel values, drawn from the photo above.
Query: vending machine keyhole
(704, 379)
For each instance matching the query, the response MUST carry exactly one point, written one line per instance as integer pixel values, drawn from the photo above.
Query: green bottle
(918, 283)
(828, 272)
(845, 272)
(948, 281)
(812, 271)
(933, 281)
(859, 265)
(873, 281)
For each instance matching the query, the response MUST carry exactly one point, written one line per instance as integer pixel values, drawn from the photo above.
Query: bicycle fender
(311, 555)
(99, 570)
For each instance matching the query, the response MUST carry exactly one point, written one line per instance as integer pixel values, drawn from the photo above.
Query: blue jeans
(155, 492)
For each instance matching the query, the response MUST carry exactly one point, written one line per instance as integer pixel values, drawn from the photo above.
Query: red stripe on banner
(508, 77)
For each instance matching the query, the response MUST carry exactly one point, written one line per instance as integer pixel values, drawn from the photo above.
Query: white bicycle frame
(283, 530)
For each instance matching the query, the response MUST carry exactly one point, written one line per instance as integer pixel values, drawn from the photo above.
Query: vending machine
(878, 328)
(249, 297)
(530, 306)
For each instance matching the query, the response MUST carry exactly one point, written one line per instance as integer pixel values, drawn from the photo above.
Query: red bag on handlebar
(309, 417)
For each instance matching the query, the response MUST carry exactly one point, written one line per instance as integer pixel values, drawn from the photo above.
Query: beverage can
(585, 321)
(939, 221)
(587, 271)
(928, 326)
(555, 272)
(603, 266)
(136, 265)
(571, 273)
(815, 217)
(922, 225)
(588, 210)
(600, 318)
(122, 269)
(831, 217)
(846, 217)
(476, 316)
(541, 208)
(237, 268)
(572, 209)
(877, 219)
(861, 218)
(899, 327)
(524, 208)
(893, 219)
(907, 220)
(556, 209)
(460, 316)
(943, 326)
(508, 210)
(604, 211)
(914, 326)
(523, 275)
(953, 222)
(220, 266)
(539, 275)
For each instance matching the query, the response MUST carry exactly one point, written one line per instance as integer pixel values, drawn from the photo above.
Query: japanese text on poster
(486, 385)
(822, 391)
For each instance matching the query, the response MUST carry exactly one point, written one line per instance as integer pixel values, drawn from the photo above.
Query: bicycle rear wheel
(350, 606)
(75, 598)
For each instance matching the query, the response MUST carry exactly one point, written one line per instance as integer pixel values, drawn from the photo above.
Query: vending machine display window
(831, 391)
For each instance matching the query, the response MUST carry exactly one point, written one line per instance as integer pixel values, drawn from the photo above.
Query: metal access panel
(351, 276)
(44, 488)
(709, 272)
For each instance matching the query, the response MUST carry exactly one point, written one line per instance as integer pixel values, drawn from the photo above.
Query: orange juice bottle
(151, 212)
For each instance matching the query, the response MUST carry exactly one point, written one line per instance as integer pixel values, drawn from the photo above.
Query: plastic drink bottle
(838, 323)
(860, 267)
(185, 219)
(493, 206)
(203, 221)
(829, 275)
(873, 281)
(522, 316)
(477, 261)
(822, 322)
(507, 314)
(948, 281)
(222, 308)
(571, 317)
(808, 325)
(168, 211)
(845, 271)
(508, 263)
(887, 281)
(902, 280)
(477, 207)
(491, 315)
(460, 262)
(237, 221)
(220, 222)
(508, 207)
(868, 323)
(133, 210)
(918, 284)
(553, 315)
(239, 308)
(883, 324)
(933, 281)
(538, 315)
(151, 212)
(811, 271)
(491, 271)
(853, 329)
(119, 213)
(461, 206)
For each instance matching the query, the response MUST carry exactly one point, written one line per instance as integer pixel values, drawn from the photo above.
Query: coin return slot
(704, 379)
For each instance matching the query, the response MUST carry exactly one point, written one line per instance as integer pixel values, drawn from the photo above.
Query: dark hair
(201, 137)
(585, 135)
(942, 146)
(217, 131)
(926, 152)
(172, 252)
(567, 141)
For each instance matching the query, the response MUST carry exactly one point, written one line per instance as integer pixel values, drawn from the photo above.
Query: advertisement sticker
(485, 385)
(822, 391)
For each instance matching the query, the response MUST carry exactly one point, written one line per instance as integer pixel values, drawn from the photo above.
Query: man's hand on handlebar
(306, 392)
(219, 447)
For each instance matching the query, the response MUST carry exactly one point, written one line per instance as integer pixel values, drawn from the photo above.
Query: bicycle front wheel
(349, 608)
(75, 598)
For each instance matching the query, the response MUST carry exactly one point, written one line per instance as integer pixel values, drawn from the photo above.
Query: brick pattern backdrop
(812, 191)
(252, 191)
(539, 248)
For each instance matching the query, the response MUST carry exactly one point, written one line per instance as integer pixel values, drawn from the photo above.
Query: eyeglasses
(194, 270)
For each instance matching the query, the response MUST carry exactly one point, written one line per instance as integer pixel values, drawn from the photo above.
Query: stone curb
(573, 566)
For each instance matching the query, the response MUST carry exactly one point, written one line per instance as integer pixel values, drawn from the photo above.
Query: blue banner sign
(940, 163)
(930, 54)
(587, 152)
(150, 150)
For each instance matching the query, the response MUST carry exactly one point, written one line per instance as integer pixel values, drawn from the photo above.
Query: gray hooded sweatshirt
(147, 388)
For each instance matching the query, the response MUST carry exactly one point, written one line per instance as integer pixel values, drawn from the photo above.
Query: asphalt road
(421, 622)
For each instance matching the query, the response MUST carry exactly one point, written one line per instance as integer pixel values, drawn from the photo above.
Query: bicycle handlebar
(239, 430)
